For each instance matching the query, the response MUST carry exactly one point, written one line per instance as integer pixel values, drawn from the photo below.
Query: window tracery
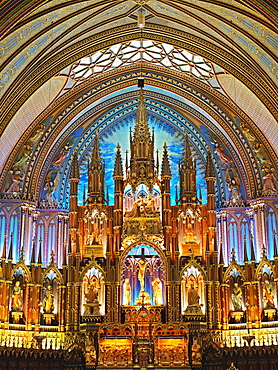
(136, 51)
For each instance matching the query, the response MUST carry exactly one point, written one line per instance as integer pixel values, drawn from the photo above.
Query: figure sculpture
(126, 293)
(237, 297)
(142, 264)
(270, 181)
(92, 293)
(196, 352)
(157, 292)
(233, 185)
(268, 295)
(48, 300)
(224, 158)
(193, 296)
(17, 297)
(17, 179)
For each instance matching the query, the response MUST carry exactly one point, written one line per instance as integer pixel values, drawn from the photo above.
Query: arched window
(52, 239)
(272, 227)
(14, 231)
(2, 227)
(245, 232)
(233, 238)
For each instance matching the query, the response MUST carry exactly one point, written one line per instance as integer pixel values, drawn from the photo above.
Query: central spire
(142, 170)
(142, 131)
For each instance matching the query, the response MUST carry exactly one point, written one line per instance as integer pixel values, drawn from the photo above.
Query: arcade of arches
(139, 184)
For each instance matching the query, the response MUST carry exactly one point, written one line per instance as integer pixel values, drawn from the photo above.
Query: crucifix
(143, 261)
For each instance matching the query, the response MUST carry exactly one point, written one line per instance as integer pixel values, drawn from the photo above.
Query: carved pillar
(208, 285)
(77, 303)
(62, 307)
(68, 306)
(224, 288)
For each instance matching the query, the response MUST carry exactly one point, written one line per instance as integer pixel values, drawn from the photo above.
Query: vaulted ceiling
(69, 68)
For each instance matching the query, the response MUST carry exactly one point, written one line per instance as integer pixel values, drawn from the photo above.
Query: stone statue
(17, 297)
(126, 293)
(268, 295)
(237, 297)
(92, 293)
(157, 292)
(48, 300)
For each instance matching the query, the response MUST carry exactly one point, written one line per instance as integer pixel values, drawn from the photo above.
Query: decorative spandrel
(143, 278)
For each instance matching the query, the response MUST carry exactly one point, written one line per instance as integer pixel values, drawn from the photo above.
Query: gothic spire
(221, 257)
(142, 130)
(96, 175)
(209, 166)
(253, 258)
(165, 167)
(4, 250)
(118, 168)
(74, 171)
(142, 169)
(33, 259)
(187, 156)
(96, 163)
(10, 256)
(40, 254)
(245, 250)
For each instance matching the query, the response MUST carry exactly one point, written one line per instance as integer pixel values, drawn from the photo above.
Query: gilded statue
(142, 264)
(157, 292)
(268, 295)
(92, 293)
(196, 352)
(237, 297)
(126, 293)
(193, 296)
(17, 297)
(48, 300)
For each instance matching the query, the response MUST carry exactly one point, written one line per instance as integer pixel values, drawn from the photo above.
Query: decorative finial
(52, 259)
(264, 252)
(233, 255)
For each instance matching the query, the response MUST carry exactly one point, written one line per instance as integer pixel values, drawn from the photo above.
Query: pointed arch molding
(233, 138)
(188, 88)
(55, 60)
